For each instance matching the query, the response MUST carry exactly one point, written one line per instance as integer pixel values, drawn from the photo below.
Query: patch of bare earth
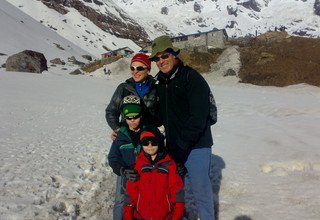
(280, 60)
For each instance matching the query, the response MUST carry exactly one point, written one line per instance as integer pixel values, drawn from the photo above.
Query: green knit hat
(161, 44)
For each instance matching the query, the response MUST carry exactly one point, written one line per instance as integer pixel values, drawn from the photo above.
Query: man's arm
(198, 100)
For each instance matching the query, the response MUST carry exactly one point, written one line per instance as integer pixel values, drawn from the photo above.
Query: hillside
(281, 62)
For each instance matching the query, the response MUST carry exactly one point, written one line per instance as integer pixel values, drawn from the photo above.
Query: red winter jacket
(158, 194)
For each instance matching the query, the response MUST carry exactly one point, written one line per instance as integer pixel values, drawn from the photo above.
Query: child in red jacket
(158, 194)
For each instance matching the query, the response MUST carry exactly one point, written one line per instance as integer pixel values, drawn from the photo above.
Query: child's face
(151, 148)
(133, 123)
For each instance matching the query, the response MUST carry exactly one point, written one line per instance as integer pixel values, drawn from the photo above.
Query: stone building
(201, 41)
(121, 52)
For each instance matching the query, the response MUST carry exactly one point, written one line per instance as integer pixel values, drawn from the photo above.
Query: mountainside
(238, 17)
(20, 32)
(102, 25)
(93, 27)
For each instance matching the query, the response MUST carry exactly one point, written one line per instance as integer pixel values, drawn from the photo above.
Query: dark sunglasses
(138, 68)
(133, 117)
(147, 142)
(164, 57)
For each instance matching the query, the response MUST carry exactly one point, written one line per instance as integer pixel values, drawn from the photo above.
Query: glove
(129, 174)
(181, 169)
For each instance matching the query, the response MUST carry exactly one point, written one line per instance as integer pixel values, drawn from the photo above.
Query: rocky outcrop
(57, 61)
(87, 57)
(251, 4)
(76, 72)
(126, 28)
(27, 61)
(317, 7)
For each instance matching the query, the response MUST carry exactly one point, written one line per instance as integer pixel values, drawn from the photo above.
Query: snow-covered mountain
(91, 36)
(238, 17)
(101, 25)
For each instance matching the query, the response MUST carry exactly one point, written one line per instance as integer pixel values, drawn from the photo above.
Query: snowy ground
(54, 138)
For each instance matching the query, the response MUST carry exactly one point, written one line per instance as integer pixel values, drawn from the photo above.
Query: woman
(140, 84)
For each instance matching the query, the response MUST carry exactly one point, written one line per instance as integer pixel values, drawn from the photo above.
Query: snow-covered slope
(54, 138)
(239, 18)
(75, 27)
(19, 32)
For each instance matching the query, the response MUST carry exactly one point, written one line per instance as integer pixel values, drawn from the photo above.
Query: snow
(54, 139)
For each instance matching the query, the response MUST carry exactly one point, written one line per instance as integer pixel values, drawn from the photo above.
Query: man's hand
(181, 169)
(130, 174)
(114, 134)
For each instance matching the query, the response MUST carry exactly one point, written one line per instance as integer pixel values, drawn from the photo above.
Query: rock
(76, 72)
(88, 57)
(27, 61)
(75, 61)
(57, 61)
(230, 72)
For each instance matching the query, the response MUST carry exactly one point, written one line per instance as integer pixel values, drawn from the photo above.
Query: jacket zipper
(167, 117)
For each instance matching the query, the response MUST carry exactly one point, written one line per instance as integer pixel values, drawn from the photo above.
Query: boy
(158, 194)
(124, 150)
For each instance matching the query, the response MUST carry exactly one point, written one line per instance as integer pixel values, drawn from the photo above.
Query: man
(184, 111)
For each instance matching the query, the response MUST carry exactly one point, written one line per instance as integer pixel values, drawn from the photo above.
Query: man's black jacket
(184, 111)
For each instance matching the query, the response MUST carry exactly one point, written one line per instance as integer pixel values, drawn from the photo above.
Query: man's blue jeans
(119, 199)
(198, 165)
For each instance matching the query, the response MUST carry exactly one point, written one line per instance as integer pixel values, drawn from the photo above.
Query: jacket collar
(150, 81)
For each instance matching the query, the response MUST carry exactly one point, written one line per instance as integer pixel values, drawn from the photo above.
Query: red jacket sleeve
(127, 212)
(178, 211)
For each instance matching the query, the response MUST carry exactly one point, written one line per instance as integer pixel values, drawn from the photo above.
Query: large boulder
(27, 61)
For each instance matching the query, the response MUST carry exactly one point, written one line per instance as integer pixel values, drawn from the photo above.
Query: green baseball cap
(161, 44)
(131, 110)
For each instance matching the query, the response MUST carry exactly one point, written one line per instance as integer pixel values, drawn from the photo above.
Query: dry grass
(281, 63)
(93, 66)
(200, 61)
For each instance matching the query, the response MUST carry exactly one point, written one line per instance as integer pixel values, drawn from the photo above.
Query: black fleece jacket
(149, 103)
(184, 111)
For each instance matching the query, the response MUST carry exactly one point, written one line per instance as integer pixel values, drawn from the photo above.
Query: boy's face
(151, 148)
(133, 123)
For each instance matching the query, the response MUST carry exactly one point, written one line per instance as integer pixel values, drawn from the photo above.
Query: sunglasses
(133, 117)
(138, 68)
(147, 142)
(164, 57)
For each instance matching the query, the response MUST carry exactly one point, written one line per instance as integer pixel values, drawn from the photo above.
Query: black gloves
(181, 169)
(129, 174)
